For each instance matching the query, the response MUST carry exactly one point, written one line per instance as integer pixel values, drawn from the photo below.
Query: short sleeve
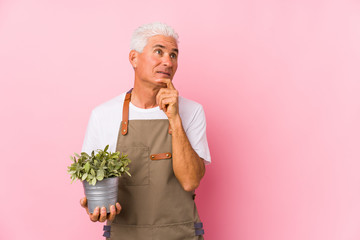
(196, 133)
(92, 135)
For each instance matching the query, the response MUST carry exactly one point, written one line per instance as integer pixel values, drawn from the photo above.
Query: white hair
(142, 34)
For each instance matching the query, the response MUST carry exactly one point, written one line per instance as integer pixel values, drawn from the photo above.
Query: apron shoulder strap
(125, 115)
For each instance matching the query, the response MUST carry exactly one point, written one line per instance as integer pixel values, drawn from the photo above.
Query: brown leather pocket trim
(160, 156)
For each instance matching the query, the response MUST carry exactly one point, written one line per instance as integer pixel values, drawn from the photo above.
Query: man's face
(158, 59)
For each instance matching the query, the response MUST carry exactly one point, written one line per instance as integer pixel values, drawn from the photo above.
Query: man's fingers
(166, 93)
(112, 213)
(167, 101)
(103, 215)
(118, 208)
(83, 203)
(95, 215)
(160, 102)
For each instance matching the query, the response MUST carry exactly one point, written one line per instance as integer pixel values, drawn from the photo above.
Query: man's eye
(158, 51)
(173, 55)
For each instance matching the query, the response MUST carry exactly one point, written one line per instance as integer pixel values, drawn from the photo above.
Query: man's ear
(133, 57)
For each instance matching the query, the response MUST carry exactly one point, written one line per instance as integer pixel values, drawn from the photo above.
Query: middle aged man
(165, 137)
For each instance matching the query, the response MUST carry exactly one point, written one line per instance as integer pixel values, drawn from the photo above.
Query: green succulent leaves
(97, 166)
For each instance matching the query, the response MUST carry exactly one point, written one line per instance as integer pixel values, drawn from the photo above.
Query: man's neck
(144, 97)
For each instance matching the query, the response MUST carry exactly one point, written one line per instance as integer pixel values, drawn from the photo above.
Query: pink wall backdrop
(279, 81)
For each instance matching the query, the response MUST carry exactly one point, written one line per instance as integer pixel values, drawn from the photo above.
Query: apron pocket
(139, 166)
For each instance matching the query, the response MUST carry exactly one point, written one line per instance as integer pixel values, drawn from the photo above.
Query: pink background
(279, 81)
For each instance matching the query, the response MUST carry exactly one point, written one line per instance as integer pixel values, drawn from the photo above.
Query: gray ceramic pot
(103, 194)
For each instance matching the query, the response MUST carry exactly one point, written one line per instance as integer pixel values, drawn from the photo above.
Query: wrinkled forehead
(161, 40)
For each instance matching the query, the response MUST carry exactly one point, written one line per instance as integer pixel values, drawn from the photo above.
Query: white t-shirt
(105, 119)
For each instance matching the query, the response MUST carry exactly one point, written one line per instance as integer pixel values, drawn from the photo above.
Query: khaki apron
(154, 205)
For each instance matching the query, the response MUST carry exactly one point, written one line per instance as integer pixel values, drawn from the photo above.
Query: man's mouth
(168, 74)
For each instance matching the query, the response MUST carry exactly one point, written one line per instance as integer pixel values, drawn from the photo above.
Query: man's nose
(167, 61)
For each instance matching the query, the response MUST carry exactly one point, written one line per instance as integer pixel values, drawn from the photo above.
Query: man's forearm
(188, 167)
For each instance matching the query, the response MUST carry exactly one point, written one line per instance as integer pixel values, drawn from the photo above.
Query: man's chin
(161, 84)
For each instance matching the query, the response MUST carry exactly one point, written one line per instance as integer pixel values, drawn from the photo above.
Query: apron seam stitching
(155, 226)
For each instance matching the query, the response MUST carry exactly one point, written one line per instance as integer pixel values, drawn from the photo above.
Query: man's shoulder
(189, 111)
(114, 104)
(189, 105)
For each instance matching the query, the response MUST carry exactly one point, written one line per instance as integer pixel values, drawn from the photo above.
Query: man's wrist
(176, 123)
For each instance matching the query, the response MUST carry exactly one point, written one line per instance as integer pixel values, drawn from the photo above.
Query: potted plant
(99, 173)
